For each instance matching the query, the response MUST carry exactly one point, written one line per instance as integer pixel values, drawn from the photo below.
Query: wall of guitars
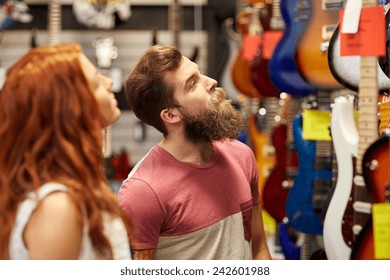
(318, 121)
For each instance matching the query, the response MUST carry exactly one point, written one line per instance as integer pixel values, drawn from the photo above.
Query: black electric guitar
(346, 69)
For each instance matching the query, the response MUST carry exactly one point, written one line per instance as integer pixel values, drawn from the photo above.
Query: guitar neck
(277, 22)
(54, 21)
(175, 22)
(367, 106)
(368, 133)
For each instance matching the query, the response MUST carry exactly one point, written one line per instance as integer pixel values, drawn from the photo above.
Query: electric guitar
(377, 177)
(346, 69)
(240, 70)
(311, 53)
(283, 69)
(314, 173)
(233, 40)
(290, 250)
(259, 66)
(260, 127)
(280, 179)
(368, 134)
(345, 140)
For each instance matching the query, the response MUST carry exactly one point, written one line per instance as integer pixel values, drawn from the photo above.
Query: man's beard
(217, 122)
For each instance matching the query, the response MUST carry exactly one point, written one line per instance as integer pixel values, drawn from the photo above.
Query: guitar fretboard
(54, 21)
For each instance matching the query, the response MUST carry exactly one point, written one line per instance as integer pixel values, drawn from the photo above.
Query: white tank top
(114, 229)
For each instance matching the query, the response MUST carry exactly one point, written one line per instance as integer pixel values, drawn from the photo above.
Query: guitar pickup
(332, 5)
(362, 207)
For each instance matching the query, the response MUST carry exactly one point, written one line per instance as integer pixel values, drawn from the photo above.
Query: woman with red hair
(55, 202)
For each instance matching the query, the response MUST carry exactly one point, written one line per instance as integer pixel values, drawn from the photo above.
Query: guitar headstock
(105, 51)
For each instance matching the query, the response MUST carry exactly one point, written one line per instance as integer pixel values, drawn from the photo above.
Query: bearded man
(195, 194)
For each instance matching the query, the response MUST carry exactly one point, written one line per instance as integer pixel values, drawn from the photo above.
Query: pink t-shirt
(188, 211)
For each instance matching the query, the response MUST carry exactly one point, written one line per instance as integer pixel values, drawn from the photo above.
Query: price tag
(271, 39)
(315, 125)
(381, 223)
(370, 39)
(251, 44)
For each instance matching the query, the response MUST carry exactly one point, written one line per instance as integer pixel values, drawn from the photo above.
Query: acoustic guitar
(311, 53)
(283, 68)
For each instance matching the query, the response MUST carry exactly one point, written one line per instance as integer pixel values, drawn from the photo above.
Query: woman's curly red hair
(50, 131)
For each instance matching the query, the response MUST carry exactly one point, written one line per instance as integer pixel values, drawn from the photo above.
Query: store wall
(132, 38)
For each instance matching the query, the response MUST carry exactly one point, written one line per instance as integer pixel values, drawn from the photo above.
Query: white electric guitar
(345, 140)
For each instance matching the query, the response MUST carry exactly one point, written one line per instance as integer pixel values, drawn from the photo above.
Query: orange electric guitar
(240, 69)
(311, 54)
(260, 127)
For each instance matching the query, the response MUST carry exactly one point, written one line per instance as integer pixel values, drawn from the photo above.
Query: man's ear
(170, 115)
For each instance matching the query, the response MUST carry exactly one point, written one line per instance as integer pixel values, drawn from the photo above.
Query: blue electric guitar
(299, 207)
(312, 182)
(282, 66)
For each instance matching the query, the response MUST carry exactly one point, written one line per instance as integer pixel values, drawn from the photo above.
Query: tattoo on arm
(148, 254)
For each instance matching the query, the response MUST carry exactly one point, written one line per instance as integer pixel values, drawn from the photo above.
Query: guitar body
(283, 69)
(290, 250)
(274, 195)
(345, 140)
(233, 45)
(299, 208)
(346, 69)
(264, 152)
(311, 54)
(241, 74)
(377, 180)
(259, 66)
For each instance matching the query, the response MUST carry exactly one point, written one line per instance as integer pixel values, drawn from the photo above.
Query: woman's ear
(170, 115)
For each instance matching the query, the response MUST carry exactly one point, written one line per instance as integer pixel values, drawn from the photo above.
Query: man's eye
(194, 83)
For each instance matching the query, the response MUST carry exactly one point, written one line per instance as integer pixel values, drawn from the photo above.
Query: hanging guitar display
(280, 179)
(377, 176)
(283, 69)
(361, 195)
(311, 53)
(240, 70)
(314, 173)
(260, 126)
(273, 26)
(345, 141)
(346, 69)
